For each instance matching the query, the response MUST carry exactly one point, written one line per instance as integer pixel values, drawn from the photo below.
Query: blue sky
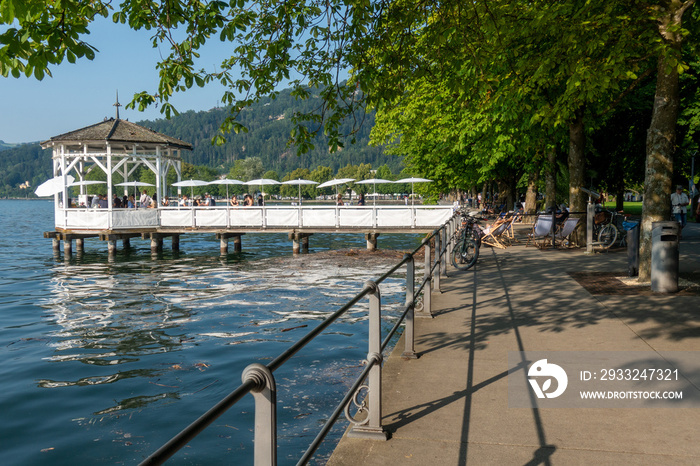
(83, 93)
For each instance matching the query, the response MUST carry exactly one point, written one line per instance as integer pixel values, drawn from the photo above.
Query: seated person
(234, 201)
(339, 200)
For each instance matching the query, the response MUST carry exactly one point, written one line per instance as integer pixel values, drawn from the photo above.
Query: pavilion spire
(117, 104)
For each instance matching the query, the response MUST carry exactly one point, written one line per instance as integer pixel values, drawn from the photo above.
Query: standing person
(145, 200)
(679, 202)
(261, 201)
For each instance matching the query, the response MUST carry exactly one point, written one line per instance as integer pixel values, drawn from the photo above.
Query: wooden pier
(226, 223)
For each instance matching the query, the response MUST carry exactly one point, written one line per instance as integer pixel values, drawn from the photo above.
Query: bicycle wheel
(607, 236)
(464, 254)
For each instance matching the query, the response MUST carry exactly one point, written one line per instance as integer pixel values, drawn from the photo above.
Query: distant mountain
(269, 126)
(4, 145)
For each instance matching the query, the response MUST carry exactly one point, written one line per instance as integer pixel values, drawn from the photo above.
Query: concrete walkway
(450, 406)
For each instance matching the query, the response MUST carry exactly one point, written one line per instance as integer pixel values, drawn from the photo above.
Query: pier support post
(300, 242)
(111, 247)
(56, 245)
(175, 242)
(371, 240)
(126, 243)
(223, 242)
(156, 243)
(67, 246)
(79, 245)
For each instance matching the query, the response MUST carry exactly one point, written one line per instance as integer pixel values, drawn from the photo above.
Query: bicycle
(607, 230)
(465, 252)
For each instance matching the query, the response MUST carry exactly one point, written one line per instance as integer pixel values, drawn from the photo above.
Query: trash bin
(664, 256)
(633, 250)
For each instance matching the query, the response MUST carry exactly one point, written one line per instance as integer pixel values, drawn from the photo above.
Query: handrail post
(427, 289)
(265, 395)
(409, 332)
(438, 265)
(443, 250)
(372, 425)
(449, 230)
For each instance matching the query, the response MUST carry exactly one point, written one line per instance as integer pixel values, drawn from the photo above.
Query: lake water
(104, 360)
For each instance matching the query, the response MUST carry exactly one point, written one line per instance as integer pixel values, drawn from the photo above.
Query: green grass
(631, 208)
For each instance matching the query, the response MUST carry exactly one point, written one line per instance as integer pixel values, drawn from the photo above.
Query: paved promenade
(450, 406)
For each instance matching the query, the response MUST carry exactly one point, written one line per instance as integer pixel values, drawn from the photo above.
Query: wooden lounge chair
(496, 235)
(565, 230)
(541, 230)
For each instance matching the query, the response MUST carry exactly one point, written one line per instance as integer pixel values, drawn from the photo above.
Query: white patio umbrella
(86, 183)
(191, 184)
(335, 182)
(299, 182)
(227, 182)
(262, 182)
(135, 184)
(373, 181)
(413, 180)
(52, 186)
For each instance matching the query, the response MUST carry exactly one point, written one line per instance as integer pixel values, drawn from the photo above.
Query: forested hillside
(268, 123)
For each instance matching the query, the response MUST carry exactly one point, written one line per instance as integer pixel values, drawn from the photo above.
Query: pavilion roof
(117, 131)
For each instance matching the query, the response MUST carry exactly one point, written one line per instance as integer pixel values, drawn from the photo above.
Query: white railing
(272, 217)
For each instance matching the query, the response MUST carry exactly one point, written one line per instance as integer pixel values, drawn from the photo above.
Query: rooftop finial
(117, 105)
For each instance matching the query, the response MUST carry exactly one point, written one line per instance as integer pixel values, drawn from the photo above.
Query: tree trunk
(550, 180)
(661, 135)
(531, 195)
(577, 163)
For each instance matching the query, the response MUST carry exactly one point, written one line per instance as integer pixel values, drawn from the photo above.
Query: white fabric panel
(176, 218)
(394, 217)
(432, 217)
(246, 216)
(134, 218)
(210, 217)
(87, 220)
(283, 217)
(319, 217)
(350, 217)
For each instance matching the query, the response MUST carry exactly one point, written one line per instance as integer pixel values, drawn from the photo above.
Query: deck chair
(565, 230)
(541, 230)
(511, 219)
(496, 235)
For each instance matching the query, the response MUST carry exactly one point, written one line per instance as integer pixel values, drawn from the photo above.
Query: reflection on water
(105, 360)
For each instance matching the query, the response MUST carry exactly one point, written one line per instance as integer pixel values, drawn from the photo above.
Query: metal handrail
(258, 378)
